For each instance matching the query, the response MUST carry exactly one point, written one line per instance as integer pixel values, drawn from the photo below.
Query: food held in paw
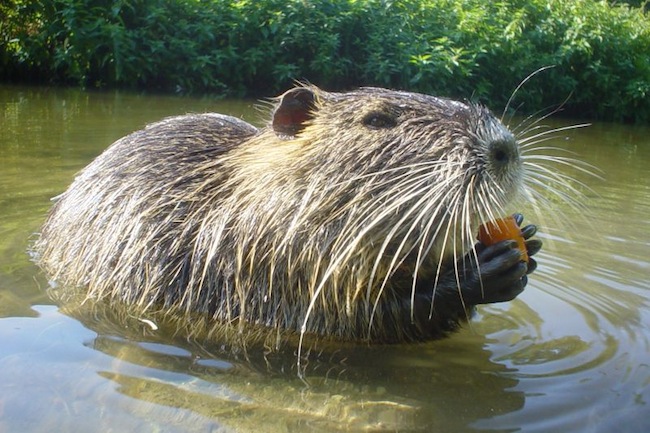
(500, 230)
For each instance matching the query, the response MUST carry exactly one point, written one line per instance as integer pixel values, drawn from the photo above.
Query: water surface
(572, 353)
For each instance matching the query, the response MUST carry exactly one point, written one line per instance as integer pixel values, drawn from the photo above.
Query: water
(572, 353)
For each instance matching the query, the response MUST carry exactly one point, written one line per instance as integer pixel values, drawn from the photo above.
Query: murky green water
(571, 354)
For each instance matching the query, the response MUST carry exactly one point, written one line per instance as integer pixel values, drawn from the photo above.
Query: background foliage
(458, 48)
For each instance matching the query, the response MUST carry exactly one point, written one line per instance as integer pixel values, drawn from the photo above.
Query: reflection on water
(570, 354)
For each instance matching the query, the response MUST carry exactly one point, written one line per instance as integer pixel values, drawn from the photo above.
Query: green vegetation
(458, 48)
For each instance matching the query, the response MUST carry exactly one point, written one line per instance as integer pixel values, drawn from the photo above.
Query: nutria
(351, 216)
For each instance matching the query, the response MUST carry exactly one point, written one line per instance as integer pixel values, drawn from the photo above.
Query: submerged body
(352, 216)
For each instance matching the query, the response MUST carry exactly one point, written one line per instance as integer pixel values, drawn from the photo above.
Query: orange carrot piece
(500, 230)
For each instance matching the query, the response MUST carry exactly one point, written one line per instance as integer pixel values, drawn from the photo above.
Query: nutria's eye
(379, 120)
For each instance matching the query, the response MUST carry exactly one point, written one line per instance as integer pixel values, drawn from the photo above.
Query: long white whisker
(427, 200)
(523, 141)
(524, 81)
(537, 121)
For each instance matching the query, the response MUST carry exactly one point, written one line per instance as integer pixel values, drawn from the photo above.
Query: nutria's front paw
(532, 245)
(500, 275)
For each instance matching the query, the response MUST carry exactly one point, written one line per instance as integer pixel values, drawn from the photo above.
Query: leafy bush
(459, 48)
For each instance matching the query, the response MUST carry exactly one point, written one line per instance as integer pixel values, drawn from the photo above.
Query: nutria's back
(345, 217)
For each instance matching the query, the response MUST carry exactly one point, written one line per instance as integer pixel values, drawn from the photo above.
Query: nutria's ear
(295, 108)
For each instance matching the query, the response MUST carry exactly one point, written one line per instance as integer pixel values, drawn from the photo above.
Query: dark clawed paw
(532, 265)
(532, 245)
(512, 291)
(529, 231)
(526, 231)
(500, 274)
(501, 255)
(506, 288)
(516, 272)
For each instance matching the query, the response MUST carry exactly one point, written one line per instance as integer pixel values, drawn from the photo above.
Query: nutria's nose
(503, 152)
